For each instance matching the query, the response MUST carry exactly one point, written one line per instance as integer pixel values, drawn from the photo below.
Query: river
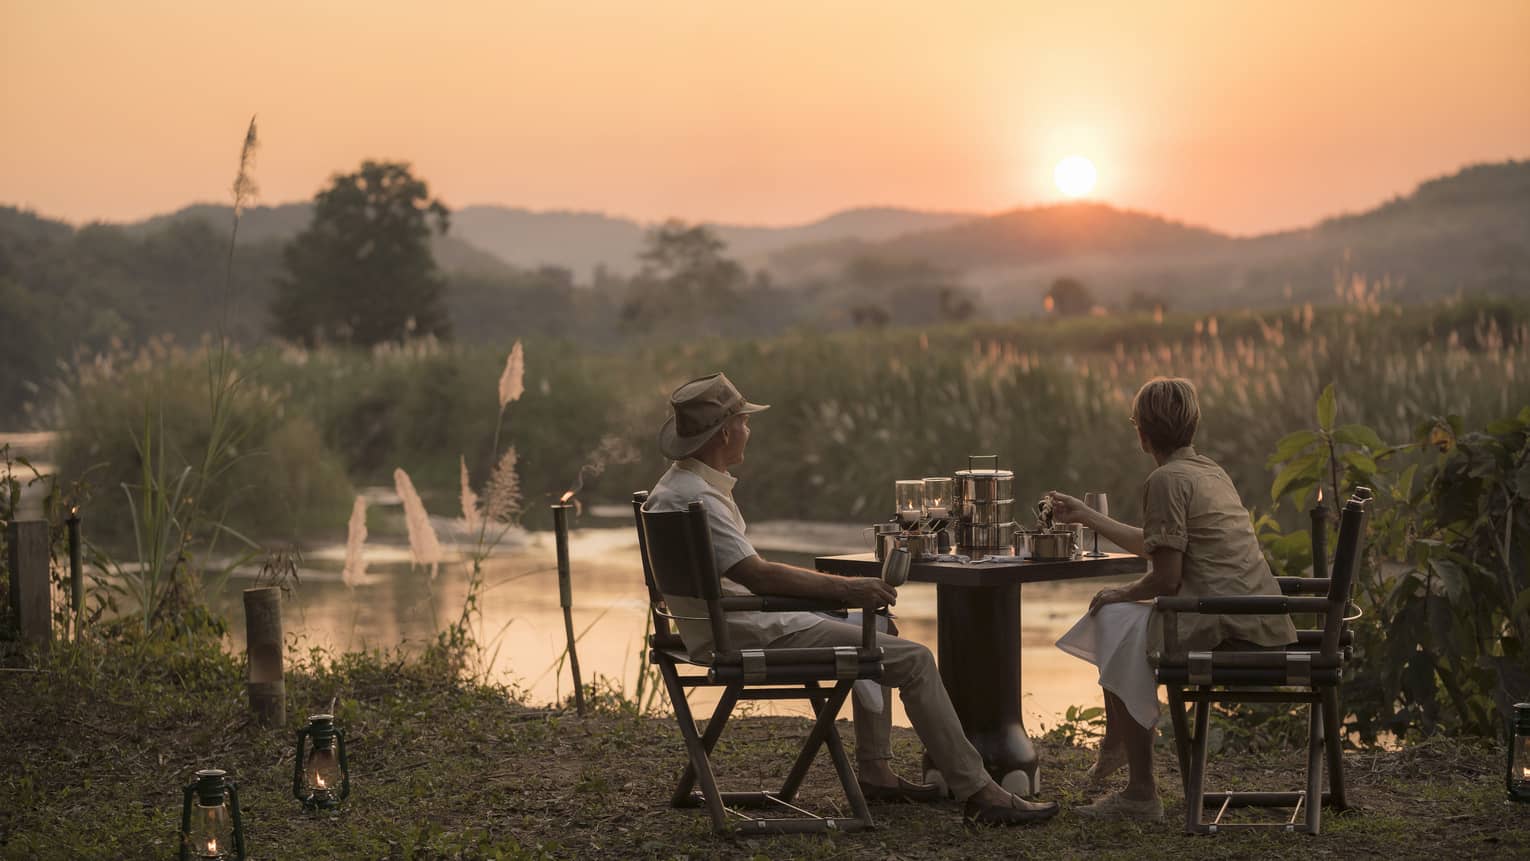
(522, 623)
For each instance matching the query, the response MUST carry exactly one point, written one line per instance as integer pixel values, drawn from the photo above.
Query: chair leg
(1181, 734)
(720, 715)
(1315, 768)
(847, 776)
(1195, 792)
(694, 749)
(1333, 743)
(822, 728)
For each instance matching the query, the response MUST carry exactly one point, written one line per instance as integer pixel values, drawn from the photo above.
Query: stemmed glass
(1098, 501)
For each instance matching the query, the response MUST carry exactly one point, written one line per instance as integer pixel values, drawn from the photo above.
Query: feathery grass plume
(244, 184)
(504, 490)
(244, 190)
(472, 517)
(423, 545)
(355, 544)
(512, 380)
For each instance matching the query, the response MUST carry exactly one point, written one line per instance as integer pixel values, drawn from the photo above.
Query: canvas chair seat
(677, 556)
(1308, 671)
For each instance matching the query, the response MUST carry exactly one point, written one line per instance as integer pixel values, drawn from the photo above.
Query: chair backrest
(664, 635)
(1346, 559)
(677, 547)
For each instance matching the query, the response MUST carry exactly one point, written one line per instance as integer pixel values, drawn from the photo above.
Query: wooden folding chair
(677, 562)
(1308, 671)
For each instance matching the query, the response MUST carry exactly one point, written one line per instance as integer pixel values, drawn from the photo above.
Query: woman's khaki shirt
(1190, 505)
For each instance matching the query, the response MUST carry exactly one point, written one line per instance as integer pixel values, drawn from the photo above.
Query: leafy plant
(1442, 644)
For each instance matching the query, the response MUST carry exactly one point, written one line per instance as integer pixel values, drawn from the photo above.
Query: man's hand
(868, 592)
(1107, 596)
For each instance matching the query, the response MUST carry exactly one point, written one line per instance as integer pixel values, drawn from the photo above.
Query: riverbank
(95, 746)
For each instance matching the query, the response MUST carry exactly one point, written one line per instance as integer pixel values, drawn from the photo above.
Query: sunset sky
(1241, 116)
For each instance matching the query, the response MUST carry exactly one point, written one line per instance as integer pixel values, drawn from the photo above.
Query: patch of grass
(95, 748)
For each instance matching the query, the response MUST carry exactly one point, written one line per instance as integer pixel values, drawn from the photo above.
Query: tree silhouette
(362, 272)
(685, 276)
(1068, 297)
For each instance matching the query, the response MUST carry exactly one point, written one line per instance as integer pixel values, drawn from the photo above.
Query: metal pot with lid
(985, 485)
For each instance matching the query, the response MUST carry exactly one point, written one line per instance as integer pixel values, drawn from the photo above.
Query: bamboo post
(566, 597)
(76, 578)
(26, 542)
(263, 644)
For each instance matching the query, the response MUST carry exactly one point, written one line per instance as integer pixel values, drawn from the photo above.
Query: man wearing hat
(705, 434)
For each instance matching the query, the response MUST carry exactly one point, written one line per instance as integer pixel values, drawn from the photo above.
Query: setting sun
(1074, 176)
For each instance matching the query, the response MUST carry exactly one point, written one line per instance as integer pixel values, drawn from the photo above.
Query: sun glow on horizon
(1074, 176)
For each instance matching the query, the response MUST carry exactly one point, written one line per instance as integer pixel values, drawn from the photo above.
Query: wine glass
(1097, 500)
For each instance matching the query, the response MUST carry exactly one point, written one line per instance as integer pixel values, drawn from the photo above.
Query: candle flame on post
(566, 496)
(1320, 496)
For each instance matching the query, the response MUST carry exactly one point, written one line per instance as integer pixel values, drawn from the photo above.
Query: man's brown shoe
(1017, 812)
(906, 792)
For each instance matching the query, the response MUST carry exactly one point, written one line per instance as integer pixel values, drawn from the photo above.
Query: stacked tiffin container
(985, 508)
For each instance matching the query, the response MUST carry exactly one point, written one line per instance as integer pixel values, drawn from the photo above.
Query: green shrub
(281, 481)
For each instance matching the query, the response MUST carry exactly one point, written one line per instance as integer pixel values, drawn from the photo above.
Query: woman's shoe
(1118, 806)
(906, 792)
(1017, 811)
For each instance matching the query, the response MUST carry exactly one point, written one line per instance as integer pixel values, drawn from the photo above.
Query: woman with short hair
(1201, 542)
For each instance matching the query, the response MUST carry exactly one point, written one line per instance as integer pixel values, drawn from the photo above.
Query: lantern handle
(233, 801)
(297, 768)
(345, 769)
(186, 821)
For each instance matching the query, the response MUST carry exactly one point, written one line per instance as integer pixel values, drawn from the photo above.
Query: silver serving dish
(1055, 546)
(920, 545)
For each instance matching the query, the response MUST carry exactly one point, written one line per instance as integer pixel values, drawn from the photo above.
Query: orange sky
(1242, 116)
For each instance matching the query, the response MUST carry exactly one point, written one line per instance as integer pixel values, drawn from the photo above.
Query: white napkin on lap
(1115, 640)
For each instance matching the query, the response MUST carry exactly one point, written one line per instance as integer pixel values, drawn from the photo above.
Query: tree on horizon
(363, 273)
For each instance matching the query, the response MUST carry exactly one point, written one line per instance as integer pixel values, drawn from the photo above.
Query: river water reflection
(524, 624)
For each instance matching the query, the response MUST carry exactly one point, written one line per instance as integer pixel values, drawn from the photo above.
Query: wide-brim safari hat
(698, 410)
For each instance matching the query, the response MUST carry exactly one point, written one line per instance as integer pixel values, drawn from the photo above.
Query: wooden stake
(263, 644)
(26, 542)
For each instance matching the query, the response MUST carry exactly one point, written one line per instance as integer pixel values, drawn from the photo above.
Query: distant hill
(582, 241)
(1466, 232)
(280, 223)
(1020, 237)
(483, 237)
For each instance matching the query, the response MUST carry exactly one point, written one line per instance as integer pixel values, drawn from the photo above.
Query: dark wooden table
(978, 622)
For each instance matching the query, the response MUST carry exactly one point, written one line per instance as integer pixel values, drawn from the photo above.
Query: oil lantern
(210, 825)
(1519, 754)
(320, 779)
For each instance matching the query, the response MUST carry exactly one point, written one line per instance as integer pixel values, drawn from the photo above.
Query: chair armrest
(1304, 585)
(778, 604)
(1241, 605)
(783, 604)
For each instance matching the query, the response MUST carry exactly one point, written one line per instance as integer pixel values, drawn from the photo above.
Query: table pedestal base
(979, 656)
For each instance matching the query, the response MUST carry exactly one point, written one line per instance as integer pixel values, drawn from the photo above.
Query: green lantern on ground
(321, 779)
(210, 824)
(1519, 754)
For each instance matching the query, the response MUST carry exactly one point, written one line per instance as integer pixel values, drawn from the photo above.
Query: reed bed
(853, 411)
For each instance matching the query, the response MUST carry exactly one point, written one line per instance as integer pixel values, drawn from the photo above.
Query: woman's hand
(1107, 596)
(1069, 509)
